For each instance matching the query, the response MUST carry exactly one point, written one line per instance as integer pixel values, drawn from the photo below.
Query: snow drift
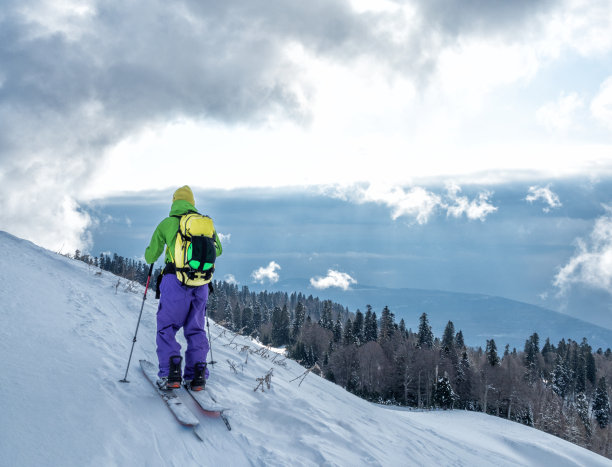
(65, 337)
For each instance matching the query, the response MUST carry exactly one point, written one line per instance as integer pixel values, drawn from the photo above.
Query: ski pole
(212, 360)
(124, 380)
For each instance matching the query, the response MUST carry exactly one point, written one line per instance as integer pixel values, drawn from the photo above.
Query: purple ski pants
(181, 307)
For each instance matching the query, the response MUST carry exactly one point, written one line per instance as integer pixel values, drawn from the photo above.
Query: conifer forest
(562, 388)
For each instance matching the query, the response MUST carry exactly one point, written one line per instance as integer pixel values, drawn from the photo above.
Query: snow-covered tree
(326, 316)
(601, 404)
(561, 377)
(338, 330)
(444, 395)
(582, 408)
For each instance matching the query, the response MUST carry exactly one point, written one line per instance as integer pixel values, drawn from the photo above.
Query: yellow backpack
(195, 249)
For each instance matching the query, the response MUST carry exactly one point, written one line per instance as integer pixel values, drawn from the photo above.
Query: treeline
(127, 268)
(562, 389)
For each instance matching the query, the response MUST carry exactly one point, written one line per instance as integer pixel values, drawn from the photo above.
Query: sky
(427, 108)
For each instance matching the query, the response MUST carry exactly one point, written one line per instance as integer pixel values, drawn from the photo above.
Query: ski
(182, 414)
(209, 405)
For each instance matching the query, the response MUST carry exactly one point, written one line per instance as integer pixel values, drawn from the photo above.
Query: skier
(181, 304)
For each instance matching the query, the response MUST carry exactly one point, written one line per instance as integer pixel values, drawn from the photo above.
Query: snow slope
(64, 343)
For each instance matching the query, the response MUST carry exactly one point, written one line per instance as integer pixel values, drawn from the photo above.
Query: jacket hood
(180, 207)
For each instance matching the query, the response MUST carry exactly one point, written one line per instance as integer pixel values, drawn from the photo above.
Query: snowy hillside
(64, 342)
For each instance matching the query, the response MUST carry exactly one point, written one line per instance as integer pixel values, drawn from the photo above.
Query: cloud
(417, 202)
(333, 279)
(230, 279)
(601, 105)
(559, 115)
(266, 273)
(591, 265)
(80, 79)
(77, 78)
(225, 238)
(544, 194)
(457, 206)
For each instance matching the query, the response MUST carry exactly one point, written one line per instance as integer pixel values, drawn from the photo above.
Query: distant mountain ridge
(479, 316)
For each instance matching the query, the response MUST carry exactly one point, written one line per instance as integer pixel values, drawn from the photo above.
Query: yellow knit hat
(185, 194)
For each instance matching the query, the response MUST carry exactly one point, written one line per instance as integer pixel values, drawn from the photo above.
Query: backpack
(195, 249)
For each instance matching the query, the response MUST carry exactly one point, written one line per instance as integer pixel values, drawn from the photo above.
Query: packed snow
(65, 340)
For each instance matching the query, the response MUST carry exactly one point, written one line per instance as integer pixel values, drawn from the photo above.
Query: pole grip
(148, 280)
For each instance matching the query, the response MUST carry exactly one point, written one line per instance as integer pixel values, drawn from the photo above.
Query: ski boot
(173, 380)
(199, 377)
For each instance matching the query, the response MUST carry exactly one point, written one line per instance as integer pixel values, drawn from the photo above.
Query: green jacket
(165, 234)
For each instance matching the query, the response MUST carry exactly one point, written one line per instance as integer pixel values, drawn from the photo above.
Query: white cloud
(225, 238)
(592, 263)
(545, 194)
(601, 105)
(560, 114)
(478, 208)
(230, 279)
(417, 202)
(266, 273)
(436, 81)
(333, 279)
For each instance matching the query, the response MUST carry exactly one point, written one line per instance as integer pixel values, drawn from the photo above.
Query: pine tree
(347, 337)
(448, 339)
(463, 381)
(211, 305)
(326, 316)
(338, 330)
(237, 318)
(280, 326)
(601, 404)
(370, 326)
(531, 351)
(580, 374)
(358, 325)
(247, 321)
(560, 377)
(425, 335)
(298, 321)
(491, 353)
(257, 315)
(459, 342)
(443, 393)
(590, 370)
(582, 407)
(402, 328)
(228, 316)
(386, 325)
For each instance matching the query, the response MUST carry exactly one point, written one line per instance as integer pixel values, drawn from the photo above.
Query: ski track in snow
(64, 344)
